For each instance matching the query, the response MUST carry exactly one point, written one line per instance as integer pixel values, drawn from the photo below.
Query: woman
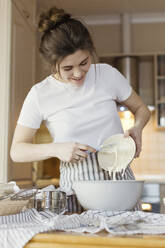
(78, 104)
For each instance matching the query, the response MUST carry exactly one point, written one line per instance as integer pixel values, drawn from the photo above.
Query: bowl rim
(108, 181)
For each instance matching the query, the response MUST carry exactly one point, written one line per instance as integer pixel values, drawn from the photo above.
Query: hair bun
(50, 19)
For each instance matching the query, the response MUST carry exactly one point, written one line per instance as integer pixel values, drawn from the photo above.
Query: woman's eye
(68, 69)
(84, 63)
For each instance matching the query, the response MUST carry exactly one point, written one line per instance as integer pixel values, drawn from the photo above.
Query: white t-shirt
(86, 114)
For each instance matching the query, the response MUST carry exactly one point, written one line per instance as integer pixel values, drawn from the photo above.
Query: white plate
(116, 153)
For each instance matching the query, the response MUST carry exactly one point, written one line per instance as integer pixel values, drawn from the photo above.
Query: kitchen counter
(100, 240)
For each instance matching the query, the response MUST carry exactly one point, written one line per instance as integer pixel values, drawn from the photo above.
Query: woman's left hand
(141, 114)
(136, 134)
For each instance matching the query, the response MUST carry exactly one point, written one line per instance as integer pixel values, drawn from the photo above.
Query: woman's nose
(77, 72)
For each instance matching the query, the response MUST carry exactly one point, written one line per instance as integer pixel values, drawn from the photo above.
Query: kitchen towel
(16, 230)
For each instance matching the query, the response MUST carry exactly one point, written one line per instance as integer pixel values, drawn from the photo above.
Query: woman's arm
(23, 149)
(142, 114)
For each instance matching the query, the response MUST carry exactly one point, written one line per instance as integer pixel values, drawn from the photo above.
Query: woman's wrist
(141, 117)
(139, 125)
(52, 150)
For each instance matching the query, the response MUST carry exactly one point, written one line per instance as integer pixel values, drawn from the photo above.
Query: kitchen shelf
(161, 128)
(160, 101)
(160, 77)
(151, 80)
(161, 115)
(103, 55)
(161, 65)
(160, 91)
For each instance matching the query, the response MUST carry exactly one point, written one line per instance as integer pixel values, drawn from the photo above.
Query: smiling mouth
(77, 79)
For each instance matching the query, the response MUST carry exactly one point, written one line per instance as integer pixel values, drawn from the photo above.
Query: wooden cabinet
(23, 51)
(151, 81)
(160, 91)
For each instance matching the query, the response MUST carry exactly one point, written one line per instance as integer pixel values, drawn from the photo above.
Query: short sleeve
(122, 86)
(118, 86)
(30, 115)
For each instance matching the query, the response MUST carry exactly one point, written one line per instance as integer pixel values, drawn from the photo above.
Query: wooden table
(101, 240)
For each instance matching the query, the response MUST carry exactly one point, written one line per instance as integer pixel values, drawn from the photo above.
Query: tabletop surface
(99, 240)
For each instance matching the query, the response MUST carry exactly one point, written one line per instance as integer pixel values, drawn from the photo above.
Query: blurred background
(128, 34)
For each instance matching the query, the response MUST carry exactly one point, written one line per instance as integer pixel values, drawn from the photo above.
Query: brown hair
(62, 36)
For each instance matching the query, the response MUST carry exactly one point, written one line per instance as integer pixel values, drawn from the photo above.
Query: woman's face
(74, 67)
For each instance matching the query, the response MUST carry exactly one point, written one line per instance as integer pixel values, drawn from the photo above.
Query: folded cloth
(16, 230)
(7, 188)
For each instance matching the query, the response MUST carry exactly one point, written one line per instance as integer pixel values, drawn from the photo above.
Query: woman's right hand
(71, 152)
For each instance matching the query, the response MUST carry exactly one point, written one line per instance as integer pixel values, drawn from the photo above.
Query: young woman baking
(77, 102)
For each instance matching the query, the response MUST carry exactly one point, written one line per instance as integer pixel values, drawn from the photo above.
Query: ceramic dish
(116, 153)
(108, 195)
